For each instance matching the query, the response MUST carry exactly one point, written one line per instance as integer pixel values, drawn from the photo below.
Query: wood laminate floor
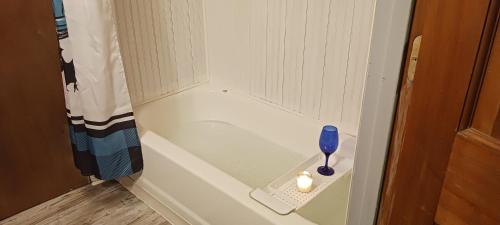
(108, 203)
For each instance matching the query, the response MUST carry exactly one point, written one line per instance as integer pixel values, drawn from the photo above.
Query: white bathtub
(205, 149)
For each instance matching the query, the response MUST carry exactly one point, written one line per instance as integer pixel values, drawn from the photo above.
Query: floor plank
(107, 203)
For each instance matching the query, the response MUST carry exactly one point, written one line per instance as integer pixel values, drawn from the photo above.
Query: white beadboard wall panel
(308, 56)
(182, 42)
(128, 40)
(152, 45)
(295, 31)
(337, 51)
(134, 47)
(314, 57)
(322, 46)
(169, 72)
(228, 42)
(357, 63)
(258, 48)
(163, 46)
(275, 43)
(197, 31)
(122, 22)
(150, 88)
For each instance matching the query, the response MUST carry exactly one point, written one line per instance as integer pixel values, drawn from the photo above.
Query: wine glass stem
(326, 161)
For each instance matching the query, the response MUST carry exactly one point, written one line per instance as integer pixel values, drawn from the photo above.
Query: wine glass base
(326, 171)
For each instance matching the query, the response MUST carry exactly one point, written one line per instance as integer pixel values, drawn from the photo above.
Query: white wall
(309, 56)
(390, 30)
(162, 44)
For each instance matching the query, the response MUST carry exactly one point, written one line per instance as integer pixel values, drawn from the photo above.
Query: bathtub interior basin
(210, 142)
(250, 158)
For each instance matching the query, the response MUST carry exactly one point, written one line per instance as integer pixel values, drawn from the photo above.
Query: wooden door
(35, 156)
(471, 189)
(447, 112)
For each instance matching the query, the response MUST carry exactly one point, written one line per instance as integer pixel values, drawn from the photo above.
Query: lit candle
(304, 181)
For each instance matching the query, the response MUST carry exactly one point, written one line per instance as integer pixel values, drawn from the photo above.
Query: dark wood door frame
(431, 105)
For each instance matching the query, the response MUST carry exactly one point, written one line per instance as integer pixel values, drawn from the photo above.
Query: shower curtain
(102, 128)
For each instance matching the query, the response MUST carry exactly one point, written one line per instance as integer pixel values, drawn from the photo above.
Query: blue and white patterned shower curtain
(102, 127)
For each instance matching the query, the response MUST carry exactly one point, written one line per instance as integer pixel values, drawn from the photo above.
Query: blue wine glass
(328, 143)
